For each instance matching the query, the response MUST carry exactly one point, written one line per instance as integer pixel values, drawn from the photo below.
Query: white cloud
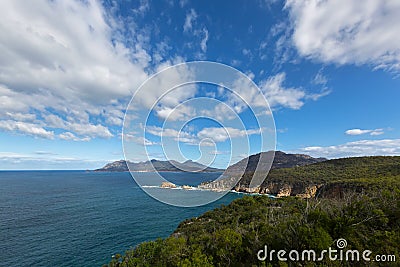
(135, 137)
(143, 7)
(220, 112)
(360, 132)
(217, 152)
(244, 94)
(180, 112)
(21, 116)
(244, 91)
(320, 79)
(357, 148)
(83, 128)
(203, 43)
(221, 134)
(54, 121)
(70, 136)
(66, 58)
(200, 32)
(204, 137)
(93, 130)
(26, 128)
(45, 161)
(166, 84)
(246, 51)
(278, 95)
(190, 18)
(273, 89)
(167, 132)
(348, 31)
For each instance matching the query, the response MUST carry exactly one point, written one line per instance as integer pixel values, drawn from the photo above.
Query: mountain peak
(158, 165)
(281, 160)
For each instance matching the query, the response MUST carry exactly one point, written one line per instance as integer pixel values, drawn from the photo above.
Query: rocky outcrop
(310, 192)
(239, 175)
(221, 184)
(278, 189)
(283, 189)
(168, 185)
(187, 187)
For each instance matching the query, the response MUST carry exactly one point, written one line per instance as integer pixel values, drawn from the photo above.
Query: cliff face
(283, 189)
(334, 178)
(262, 163)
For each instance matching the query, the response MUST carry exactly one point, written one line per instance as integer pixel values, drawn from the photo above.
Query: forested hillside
(232, 235)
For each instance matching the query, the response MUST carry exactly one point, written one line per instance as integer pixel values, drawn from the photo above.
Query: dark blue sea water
(77, 218)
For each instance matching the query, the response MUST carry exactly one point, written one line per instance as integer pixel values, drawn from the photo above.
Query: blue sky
(68, 69)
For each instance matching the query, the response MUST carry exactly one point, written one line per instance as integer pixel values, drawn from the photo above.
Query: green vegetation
(232, 235)
(358, 174)
(367, 169)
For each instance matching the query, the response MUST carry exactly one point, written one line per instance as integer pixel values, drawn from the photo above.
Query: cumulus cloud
(70, 136)
(278, 95)
(360, 132)
(181, 112)
(167, 132)
(140, 140)
(26, 128)
(164, 89)
(65, 57)
(357, 148)
(221, 134)
(214, 134)
(348, 31)
(245, 94)
(221, 112)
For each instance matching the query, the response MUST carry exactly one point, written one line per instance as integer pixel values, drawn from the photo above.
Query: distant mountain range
(281, 160)
(157, 165)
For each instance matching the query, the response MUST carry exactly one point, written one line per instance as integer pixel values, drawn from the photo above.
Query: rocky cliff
(261, 163)
(330, 178)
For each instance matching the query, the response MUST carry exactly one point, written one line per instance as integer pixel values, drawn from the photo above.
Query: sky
(329, 70)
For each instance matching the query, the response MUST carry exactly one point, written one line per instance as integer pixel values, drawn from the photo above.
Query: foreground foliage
(366, 173)
(233, 234)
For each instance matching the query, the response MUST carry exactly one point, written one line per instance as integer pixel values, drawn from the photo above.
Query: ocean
(78, 218)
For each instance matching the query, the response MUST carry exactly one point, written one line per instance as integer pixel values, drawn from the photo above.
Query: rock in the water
(168, 185)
